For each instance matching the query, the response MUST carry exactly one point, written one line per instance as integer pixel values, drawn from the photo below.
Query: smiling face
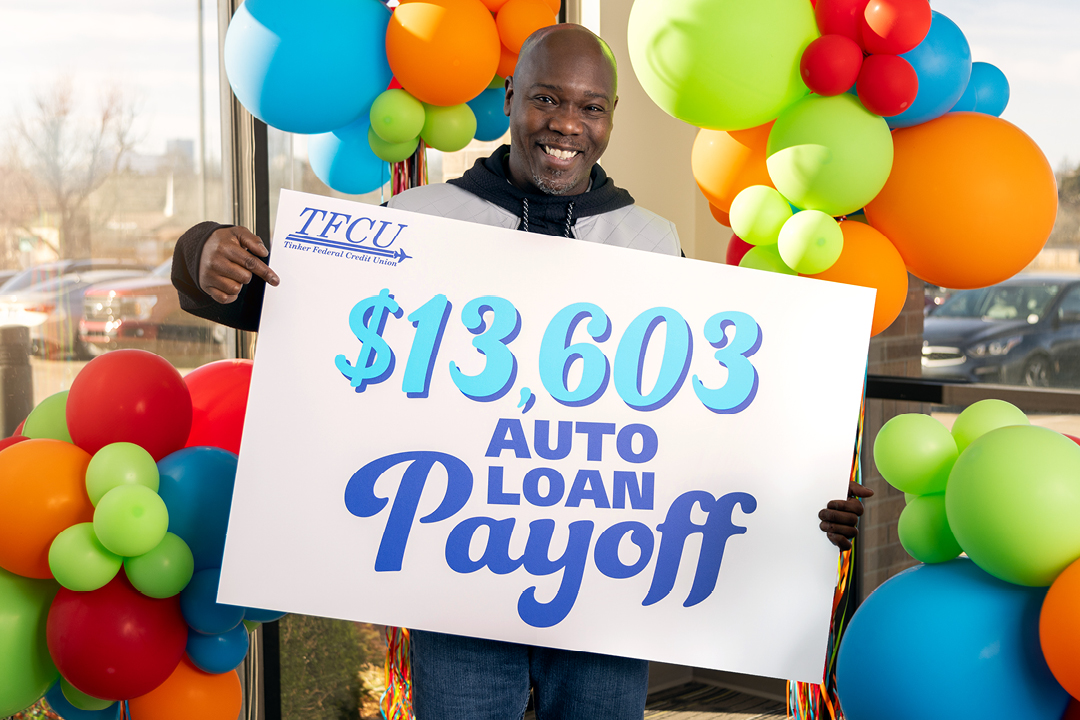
(560, 100)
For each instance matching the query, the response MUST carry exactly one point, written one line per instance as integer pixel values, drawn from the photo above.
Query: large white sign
(466, 429)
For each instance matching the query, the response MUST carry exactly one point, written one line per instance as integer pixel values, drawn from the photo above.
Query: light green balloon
(721, 64)
(765, 257)
(914, 453)
(164, 571)
(924, 530)
(49, 419)
(131, 520)
(450, 128)
(26, 669)
(810, 242)
(79, 561)
(1013, 503)
(982, 417)
(829, 154)
(757, 214)
(251, 625)
(396, 116)
(497, 83)
(119, 464)
(81, 700)
(391, 152)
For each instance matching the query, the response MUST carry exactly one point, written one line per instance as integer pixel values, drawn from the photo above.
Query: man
(560, 101)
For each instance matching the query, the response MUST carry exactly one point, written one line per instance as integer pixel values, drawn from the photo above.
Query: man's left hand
(840, 517)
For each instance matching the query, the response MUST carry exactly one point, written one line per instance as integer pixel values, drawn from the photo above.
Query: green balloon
(396, 116)
(131, 520)
(497, 83)
(982, 417)
(924, 530)
(721, 64)
(757, 214)
(164, 571)
(810, 242)
(914, 453)
(81, 700)
(26, 669)
(765, 257)
(1014, 503)
(79, 561)
(251, 625)
(448, 129)
(49, 419)
(119, 464)
(829, 154)
(391, 152)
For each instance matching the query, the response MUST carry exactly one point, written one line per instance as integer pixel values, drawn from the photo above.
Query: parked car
(145, 313)
(1024, 331)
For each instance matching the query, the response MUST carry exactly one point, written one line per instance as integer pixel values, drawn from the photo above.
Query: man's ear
(509, 94)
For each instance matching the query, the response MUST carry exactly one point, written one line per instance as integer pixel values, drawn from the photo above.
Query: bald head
(569, 39)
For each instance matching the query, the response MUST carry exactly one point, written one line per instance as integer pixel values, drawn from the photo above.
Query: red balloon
(840, 17)
(219, 393)
(1073, 711)
(8, 442)
(830, 65)
(129, 396)
(736, 248)
(887, 84)
(892, 27)
(18, 430)
(1072, 437)
(115, 643)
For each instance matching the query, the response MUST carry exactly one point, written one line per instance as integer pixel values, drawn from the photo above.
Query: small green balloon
(982, 417)
(49, 419)
(81, 700)
(829, 154)
(251, 625)
(164, 571)
(497, 83)
(391, 152)
(810, 242)
(908, 497)
(79, 561)
(765, 257)
(448, 129)
(119, 464)
(924, 530)
(914, 453)
(757, 214)
(1013, 503)
(397, 117)
(131, 520)
(28, 670)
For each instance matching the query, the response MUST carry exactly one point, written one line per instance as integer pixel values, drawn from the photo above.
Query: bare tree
(1067, 226)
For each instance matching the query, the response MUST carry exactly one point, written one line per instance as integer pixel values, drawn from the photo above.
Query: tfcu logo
(325, 232)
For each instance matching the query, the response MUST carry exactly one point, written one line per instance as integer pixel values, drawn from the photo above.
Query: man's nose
(565, 121)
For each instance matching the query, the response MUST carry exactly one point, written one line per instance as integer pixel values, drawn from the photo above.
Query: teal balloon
(810, 242)
(80, 562)
(987, 91)
(765, 257)
(1013, 503)
(758, 213)
(924, 530)
(491, 122)
(829, 154)
(63, 708)
(449, 128)
(164, 571)
(391, 152)
(982, 417)
(118, 464)
(344, 160)
(721, 64)
(49, 419)
(26, 669)
(131, 520)
(397, 117)
(915, 453)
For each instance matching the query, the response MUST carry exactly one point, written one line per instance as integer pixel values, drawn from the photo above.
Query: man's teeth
(561, 154)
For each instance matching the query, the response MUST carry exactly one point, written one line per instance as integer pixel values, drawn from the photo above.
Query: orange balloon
(444, 52)
(1059, 629)
(719, 215)
(507, 62)
(518, 19)
(493, 5)
(42, 493)
(190, 693)
(725, 163)
(870, 260)
(970, 201)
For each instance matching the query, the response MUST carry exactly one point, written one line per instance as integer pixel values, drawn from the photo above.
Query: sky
(149, 49)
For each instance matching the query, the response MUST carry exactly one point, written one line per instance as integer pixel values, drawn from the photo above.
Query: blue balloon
(943, 63)
(947, 641)
(987, 91)
(196, 485)
(343, 159)
(202, 612)
(63, 708)
(221, 653)
(308, 67)
(262, 616)
(491, 122)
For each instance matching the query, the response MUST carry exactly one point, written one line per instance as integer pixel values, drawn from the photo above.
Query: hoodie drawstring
(569, 217)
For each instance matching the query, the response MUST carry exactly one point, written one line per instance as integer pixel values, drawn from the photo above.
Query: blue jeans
(461, 678)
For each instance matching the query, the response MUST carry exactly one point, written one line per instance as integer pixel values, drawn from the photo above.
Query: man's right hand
(228, 262)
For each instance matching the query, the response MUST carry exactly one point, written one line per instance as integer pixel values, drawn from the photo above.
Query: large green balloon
(829, 154)
(721, 64)
(49, 419)
(396, 116)
(448, 129)
(26, 670)
(121, 463)
(914, 453)
(164, 571)
(392, 152)
(924, 530)
(131, 520)
(982, 417)
(757, 214)
(80, 562)
(1013, 503)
